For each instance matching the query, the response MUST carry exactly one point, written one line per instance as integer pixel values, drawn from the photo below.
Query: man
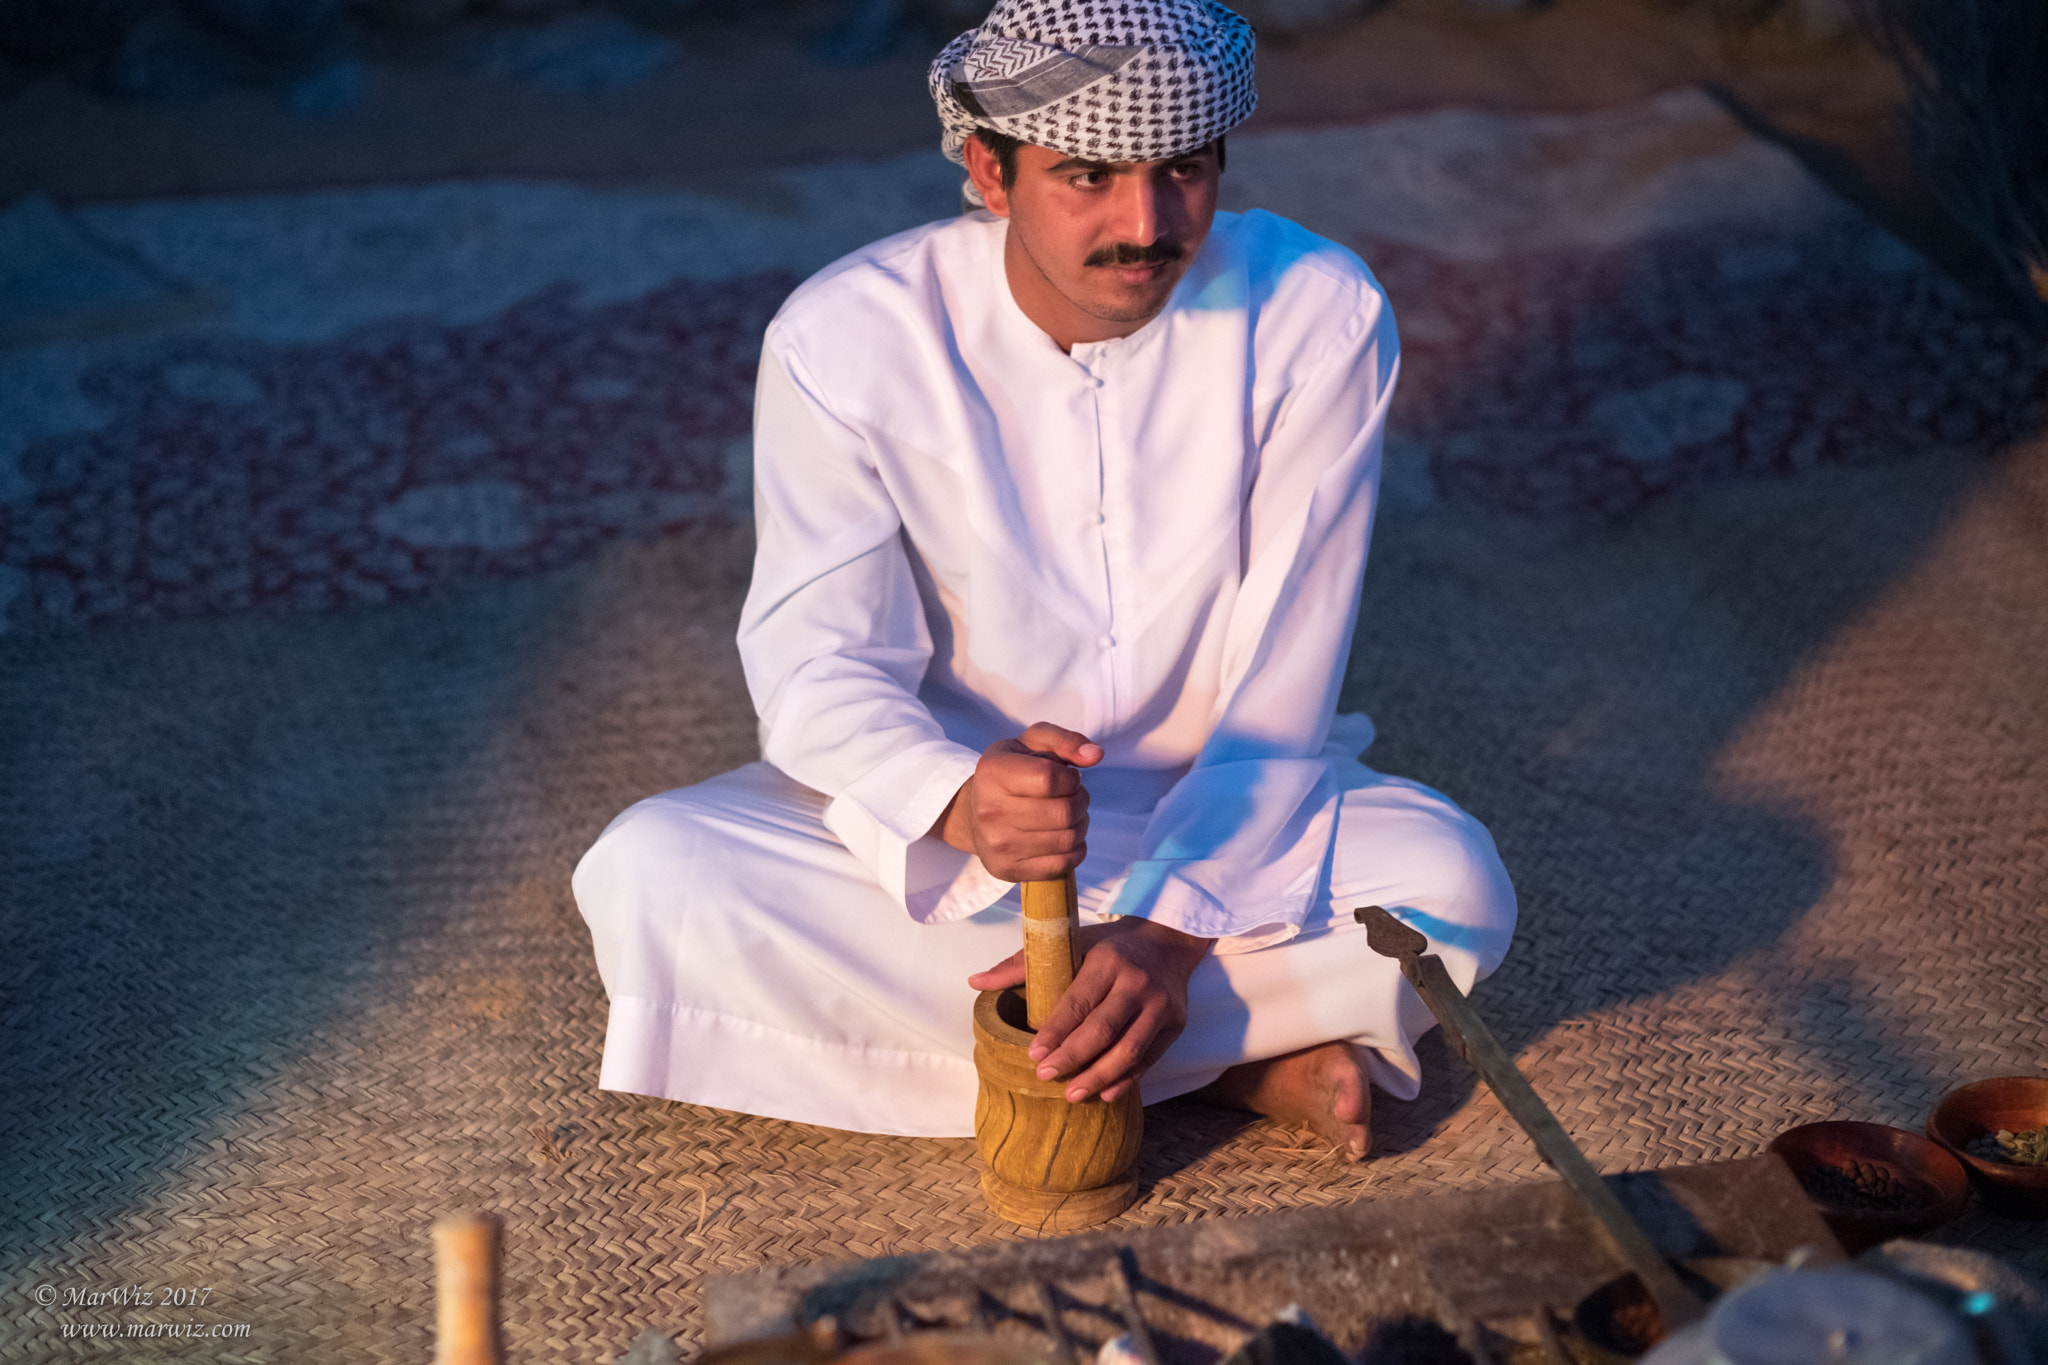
(1063, 507)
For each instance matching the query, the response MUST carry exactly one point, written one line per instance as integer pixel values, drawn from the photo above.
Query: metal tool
(1475, 1042)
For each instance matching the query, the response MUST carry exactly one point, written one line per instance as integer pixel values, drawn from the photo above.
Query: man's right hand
(1024, 812)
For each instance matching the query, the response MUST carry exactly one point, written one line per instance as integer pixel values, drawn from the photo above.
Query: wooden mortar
(1047, 1164)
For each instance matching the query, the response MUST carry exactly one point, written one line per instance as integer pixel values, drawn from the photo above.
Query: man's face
(1095, 247)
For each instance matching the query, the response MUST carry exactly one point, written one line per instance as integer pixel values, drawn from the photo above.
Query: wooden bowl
(2014, 1103)
(1922, 1185)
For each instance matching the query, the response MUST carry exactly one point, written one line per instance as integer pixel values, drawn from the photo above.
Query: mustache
(1161, 252)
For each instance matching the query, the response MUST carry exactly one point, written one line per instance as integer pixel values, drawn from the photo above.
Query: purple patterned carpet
(371, 467)
(1590, 382)
(1544, 373)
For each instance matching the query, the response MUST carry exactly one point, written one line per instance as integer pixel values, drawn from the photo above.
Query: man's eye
(1089, 180)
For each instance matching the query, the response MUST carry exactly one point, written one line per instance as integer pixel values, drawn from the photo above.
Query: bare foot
(1323, 1087)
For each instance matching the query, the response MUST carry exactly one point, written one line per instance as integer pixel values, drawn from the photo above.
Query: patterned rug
(1592, 383)
(404, 455)
(1603, 308)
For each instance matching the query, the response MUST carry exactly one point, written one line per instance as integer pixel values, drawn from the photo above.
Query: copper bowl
(1923, 1185)
(2014, 1103)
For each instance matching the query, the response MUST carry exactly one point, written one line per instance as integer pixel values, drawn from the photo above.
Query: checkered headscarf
(1112, 80)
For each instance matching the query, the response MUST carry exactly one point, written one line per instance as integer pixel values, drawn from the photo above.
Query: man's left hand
(1129, 1001)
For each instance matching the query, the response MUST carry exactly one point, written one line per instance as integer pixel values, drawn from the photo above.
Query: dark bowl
(1871, 1182)
(1619, 1321)
(2014, 1103)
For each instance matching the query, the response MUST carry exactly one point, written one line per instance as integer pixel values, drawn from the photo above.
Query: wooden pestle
(1052, 916)
(466, 1290)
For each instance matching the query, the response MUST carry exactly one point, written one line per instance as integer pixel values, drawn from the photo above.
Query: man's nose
(1137, 205)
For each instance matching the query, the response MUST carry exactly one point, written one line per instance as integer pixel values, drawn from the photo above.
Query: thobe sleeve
(1236, 849)
(834, 642)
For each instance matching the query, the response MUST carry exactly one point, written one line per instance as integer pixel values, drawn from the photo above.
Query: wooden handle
(466, 1290)
(1052, 914)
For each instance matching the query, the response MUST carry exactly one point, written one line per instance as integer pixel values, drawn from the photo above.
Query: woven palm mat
(291, 966)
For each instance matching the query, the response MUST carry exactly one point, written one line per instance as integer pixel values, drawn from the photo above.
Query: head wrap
(1111, 80)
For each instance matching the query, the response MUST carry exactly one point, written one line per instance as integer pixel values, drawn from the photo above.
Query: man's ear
(987, 174)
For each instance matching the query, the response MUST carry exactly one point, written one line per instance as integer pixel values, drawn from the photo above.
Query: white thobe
(1156, 541)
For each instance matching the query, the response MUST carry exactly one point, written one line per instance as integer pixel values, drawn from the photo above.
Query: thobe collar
(1092, 357)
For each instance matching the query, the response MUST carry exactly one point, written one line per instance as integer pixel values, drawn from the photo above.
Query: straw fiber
(292, 968)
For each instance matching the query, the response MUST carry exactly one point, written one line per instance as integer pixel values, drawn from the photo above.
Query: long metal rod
(1475, 1042)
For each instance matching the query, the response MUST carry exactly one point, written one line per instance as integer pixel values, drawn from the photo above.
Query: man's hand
(1128, 1003)
(1024, 812)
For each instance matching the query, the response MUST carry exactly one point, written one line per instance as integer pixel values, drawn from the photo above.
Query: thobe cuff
(883, 818)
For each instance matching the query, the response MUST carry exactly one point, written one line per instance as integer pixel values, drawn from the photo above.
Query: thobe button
(1107, 642)
(1097, 519)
